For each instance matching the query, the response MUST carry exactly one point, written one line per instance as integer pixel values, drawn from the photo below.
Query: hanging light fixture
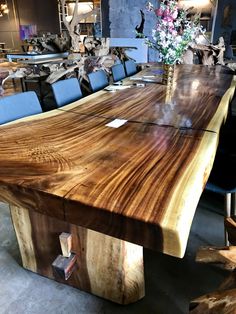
(3, 9)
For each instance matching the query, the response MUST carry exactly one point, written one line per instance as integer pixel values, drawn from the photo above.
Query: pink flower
(171, 27)
(159, 12)
(175, 14)
(168, 19)
(166, 12)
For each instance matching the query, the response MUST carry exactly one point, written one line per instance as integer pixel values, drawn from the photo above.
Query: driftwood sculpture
(73, 25)
(3, 76)
(62, 70)
(120, 53)
(224, 299)
(12, 70)
(96, 46)
(188, 57)
(210, 54)
(49, 43)
(207, 54)
(80, 68)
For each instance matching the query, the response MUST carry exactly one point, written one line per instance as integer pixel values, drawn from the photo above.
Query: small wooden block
(64, 266)
(66, 243)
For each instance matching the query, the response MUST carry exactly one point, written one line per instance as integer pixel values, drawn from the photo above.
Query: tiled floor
(170, 282)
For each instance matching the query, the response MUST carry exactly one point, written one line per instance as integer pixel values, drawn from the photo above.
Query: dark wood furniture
(115, 190)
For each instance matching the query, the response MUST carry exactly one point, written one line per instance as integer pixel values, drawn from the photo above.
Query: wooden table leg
(105, 266)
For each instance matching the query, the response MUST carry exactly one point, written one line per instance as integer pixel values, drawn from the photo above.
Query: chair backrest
(97, 80)
(130, 67)
(118, 72)
(18, 106)
(66, 91)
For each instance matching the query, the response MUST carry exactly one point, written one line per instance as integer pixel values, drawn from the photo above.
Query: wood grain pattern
(107, 267)
(66, 243)
(194, 101)
(141, 182)
(115, 181)
(22, 226)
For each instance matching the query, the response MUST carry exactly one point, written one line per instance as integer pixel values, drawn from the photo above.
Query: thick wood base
(107, 267)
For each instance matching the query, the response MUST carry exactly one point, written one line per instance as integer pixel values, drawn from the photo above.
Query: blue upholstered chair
(97, 80)
(223, 180)
(118, 72)
(18, 106)
(66, 91)
(130, 67)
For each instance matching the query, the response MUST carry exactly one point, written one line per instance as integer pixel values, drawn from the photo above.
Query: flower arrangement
(173, 32)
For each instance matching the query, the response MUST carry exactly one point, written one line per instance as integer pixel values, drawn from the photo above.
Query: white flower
(173, 31)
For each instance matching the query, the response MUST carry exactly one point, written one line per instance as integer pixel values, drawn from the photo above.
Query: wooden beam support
(105, 266)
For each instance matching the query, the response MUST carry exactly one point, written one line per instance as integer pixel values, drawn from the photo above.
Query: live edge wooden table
(114, 190)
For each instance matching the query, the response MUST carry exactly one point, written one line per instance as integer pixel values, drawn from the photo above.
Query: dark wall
(105, 18)
(24, 12)
(225, 20)
(125, 16)
(42, 13)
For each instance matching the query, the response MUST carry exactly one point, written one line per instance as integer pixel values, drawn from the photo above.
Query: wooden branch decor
(73, 25)
(3, 77)
(222, 302)
(229, 283)
(225, 256)
(224, 299)
(210, 54)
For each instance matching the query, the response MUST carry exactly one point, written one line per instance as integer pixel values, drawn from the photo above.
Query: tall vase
(168, 74)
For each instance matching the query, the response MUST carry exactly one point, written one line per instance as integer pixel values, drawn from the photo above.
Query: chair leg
(227, 213)
(228, 204)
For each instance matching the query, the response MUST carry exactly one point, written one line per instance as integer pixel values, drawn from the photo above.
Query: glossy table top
(191, 102)
(140, 182)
